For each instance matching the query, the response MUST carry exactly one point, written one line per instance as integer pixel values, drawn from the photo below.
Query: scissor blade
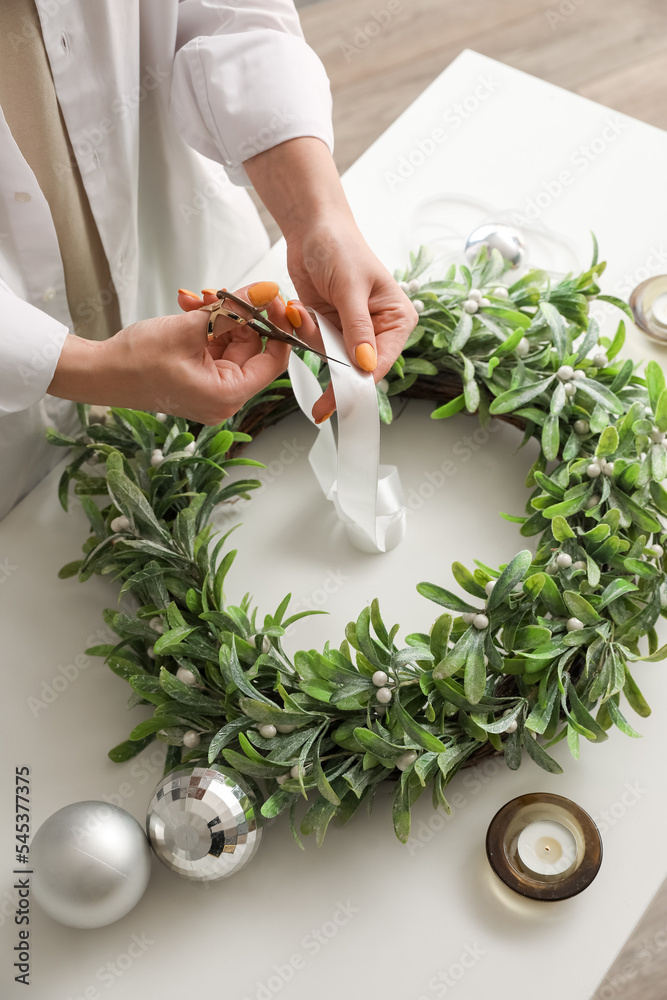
(275, 333)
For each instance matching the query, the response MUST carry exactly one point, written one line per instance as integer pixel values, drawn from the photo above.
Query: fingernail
(184, 291)
(281, 299)
(293, 314)
(209, 291)
(325, 417)
(263, 292)
(366, 357)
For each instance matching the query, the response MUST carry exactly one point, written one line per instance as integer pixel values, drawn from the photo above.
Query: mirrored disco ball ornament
(202, 823)
(91, 863)
(495, 236)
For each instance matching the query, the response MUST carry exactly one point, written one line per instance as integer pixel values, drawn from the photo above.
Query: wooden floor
(613, 51)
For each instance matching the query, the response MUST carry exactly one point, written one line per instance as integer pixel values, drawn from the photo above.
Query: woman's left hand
(333, 269)
(337, 274)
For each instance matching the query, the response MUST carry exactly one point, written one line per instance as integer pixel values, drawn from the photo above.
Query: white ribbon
(367, 496)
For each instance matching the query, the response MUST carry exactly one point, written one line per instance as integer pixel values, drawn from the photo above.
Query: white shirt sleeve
(30, 345)
(245, 80)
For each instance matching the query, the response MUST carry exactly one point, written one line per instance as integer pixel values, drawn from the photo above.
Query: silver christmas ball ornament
(495, 236)
(202, 823)
(91, 864)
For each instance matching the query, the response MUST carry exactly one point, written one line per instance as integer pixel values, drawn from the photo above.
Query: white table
(364, 915)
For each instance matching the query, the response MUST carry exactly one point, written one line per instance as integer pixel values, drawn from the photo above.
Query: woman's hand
(337, 274)
(167, 363)
(333, 269)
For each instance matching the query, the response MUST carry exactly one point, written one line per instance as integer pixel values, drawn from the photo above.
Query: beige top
(30, 106)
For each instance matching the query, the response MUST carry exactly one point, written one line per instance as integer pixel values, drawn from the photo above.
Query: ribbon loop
(368, 497)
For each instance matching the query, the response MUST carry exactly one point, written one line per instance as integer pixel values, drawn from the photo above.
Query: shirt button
(22, 196)
(48, 294)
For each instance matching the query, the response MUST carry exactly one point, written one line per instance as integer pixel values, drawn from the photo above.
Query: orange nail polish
(262, 292)
(209, 291)
(281, 299)
(325, 417)
(366, 357)
(184, 291)
(293, 315)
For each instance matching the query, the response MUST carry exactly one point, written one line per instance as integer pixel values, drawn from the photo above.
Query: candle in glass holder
(648, 302)
(544, 847)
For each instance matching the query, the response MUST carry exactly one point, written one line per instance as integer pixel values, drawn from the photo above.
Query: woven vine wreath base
(532, 653)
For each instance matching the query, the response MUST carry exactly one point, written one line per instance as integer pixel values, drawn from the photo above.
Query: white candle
(547, 848)
(659, 308)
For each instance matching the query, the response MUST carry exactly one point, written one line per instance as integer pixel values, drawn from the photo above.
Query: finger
(325, 406)
(188, 300)
(358, 330)
(303, 325)
(396, 324)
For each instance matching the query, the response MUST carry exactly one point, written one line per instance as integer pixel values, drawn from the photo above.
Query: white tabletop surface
(363, 915)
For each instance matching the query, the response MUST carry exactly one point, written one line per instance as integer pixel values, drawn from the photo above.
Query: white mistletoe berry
(405, 760)
(186, 676)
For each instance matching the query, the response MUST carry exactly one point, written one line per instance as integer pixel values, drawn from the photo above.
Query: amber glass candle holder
(544, 847)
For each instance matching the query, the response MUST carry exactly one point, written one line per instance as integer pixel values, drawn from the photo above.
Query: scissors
(263, 326)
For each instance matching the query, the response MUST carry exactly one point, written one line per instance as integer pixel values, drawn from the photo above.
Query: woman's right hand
(167, 364)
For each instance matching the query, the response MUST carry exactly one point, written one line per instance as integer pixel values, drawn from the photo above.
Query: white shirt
(164, 101)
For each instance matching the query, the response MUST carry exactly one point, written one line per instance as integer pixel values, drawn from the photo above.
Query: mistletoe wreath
(536, 652)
